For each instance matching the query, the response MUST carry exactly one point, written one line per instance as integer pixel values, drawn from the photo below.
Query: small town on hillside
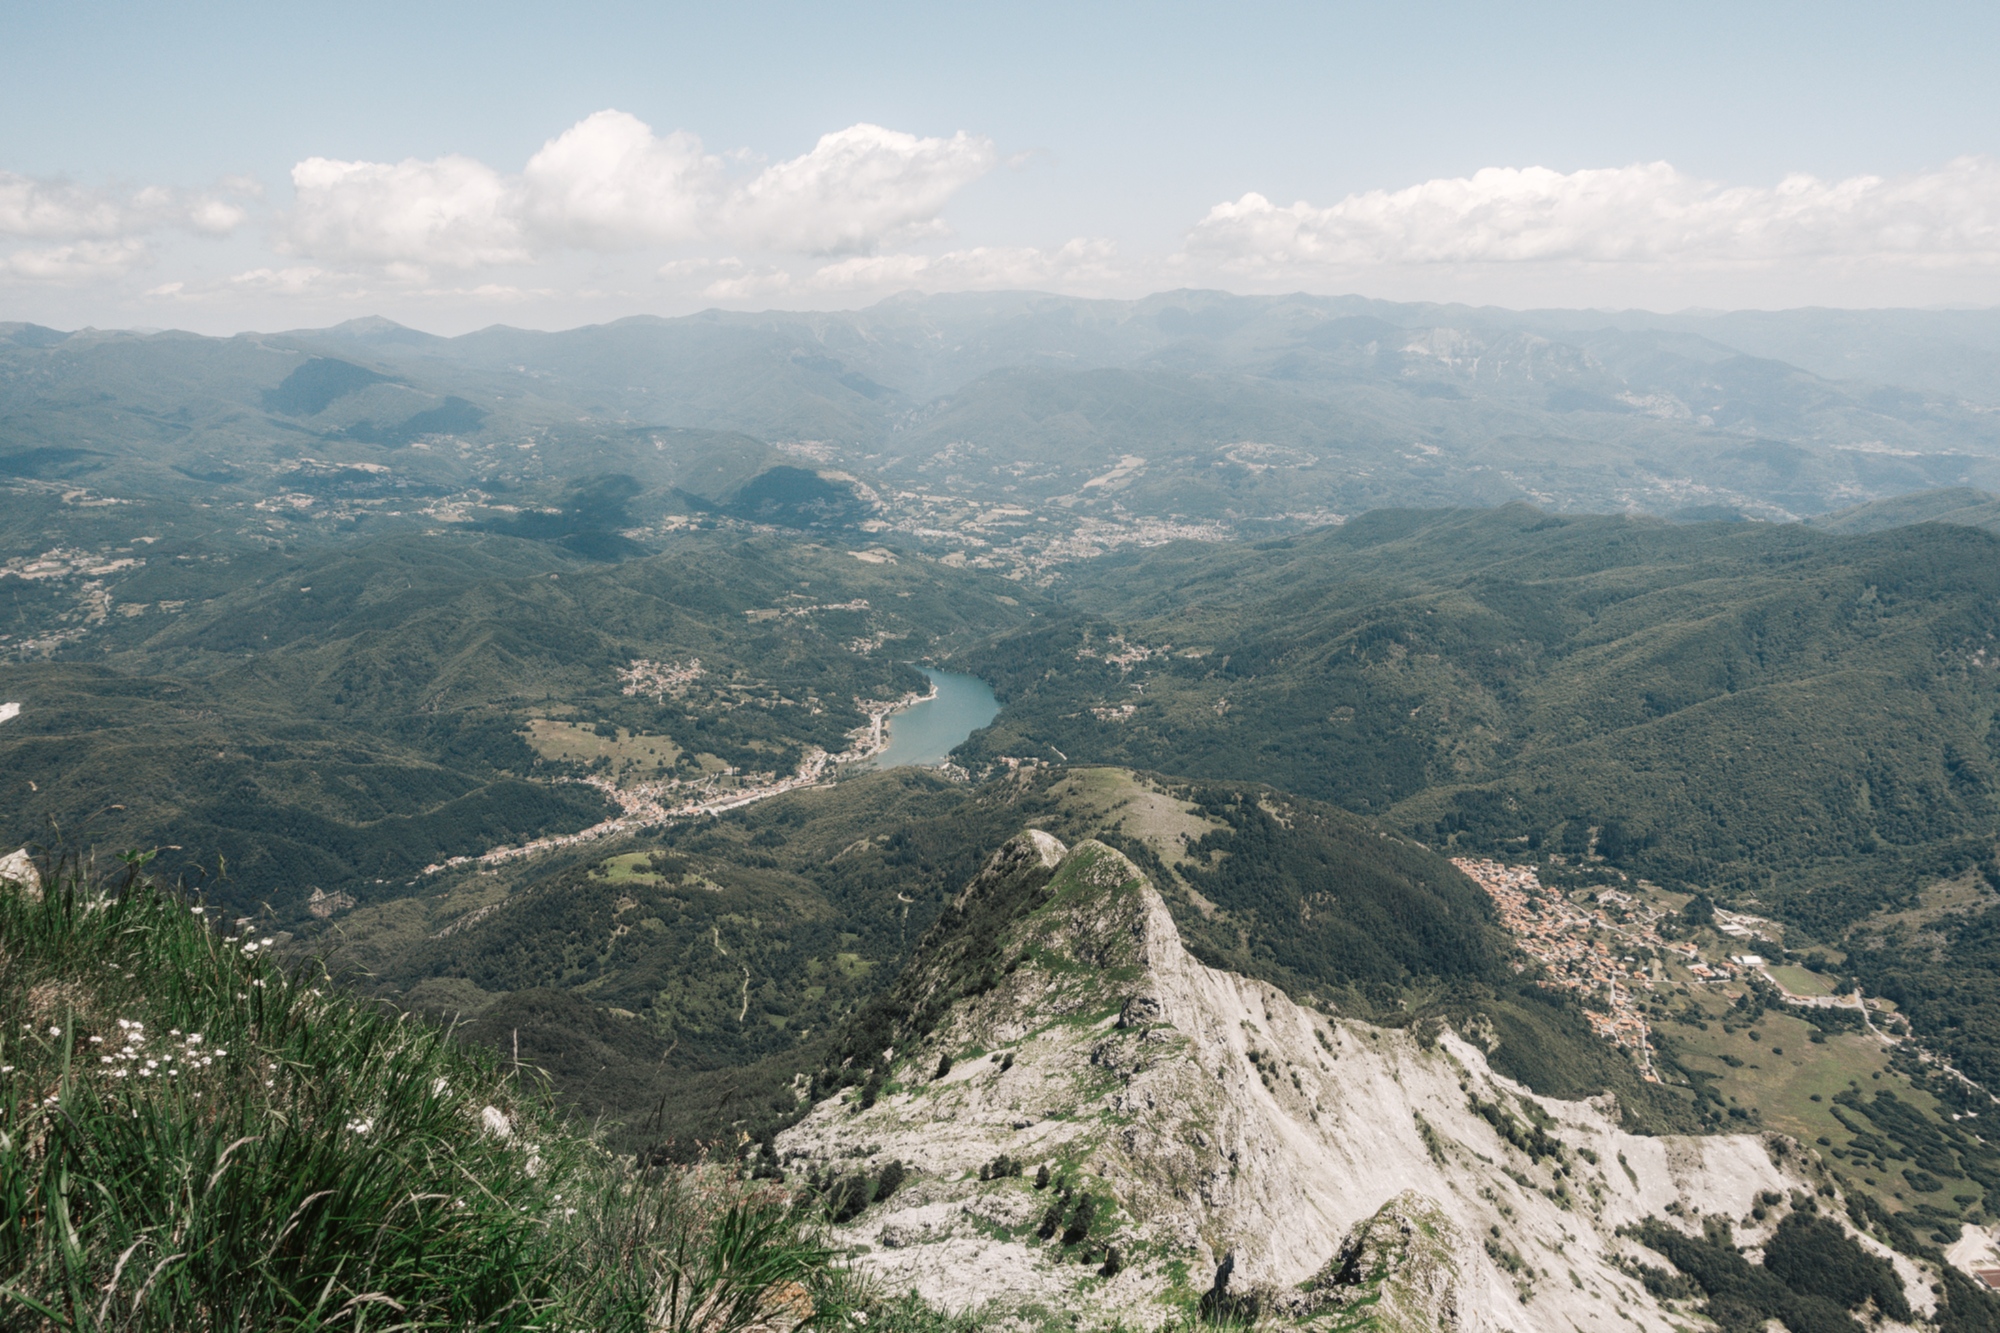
(1607, 959)
(1583, 950)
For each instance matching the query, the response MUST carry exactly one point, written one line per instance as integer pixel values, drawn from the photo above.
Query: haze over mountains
(1194, 406)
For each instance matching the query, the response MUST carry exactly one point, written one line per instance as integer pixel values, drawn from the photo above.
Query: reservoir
(927, 732)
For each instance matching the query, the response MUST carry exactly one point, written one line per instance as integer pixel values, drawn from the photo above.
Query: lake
(927, 732)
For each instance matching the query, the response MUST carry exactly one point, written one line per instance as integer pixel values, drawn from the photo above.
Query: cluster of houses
(652, 803)
(1582, 950)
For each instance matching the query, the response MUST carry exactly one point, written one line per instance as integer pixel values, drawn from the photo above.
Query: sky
(222, 167)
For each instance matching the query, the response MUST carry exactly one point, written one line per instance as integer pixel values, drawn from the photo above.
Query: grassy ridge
(192, 1138)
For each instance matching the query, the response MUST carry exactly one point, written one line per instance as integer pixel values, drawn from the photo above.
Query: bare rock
(1140, 1011)
(1199, 1112)
(18, 868)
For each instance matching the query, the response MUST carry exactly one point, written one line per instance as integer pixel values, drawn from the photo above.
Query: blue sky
(1735, 155)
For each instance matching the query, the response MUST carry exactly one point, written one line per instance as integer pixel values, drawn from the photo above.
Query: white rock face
(18, 868)
(1211, 1116)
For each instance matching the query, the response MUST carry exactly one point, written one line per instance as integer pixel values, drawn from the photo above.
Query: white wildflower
(494, 1121)
(97, 1041)
(54, 1031)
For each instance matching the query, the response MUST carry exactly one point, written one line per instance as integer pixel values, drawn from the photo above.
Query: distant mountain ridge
(1020, 397)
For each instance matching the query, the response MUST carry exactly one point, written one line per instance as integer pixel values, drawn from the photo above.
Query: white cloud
(856, 187)
(30, 207)
(214, 217)
(78, 260)
(452, 211)
(296, 280)
(609, 182)
(63, 210)
(1647, 214)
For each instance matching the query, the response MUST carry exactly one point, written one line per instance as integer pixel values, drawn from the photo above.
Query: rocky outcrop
(1189, 1118)
(19, 868)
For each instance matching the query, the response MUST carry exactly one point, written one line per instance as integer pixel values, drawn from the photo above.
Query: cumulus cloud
(1647, 214)
(80, 259)
(610, 183)
(452, 211)
(60, 209)
(855, 187)
(296, 280)
(43, 208)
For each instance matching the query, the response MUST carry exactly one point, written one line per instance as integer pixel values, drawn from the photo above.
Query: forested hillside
(335, 719)
(1751, 708)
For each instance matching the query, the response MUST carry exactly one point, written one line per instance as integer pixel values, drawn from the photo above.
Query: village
(1606, 962)
(648, 804)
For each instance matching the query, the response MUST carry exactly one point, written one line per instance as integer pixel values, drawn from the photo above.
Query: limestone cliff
(1095, 1121)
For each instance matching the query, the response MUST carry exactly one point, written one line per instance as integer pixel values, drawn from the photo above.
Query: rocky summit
(1099, 1123)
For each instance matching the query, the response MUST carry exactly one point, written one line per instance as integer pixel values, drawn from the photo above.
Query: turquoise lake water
(926, 733)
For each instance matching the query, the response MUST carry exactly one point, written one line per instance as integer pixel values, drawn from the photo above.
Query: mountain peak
(1074, 1094)
(376, 329)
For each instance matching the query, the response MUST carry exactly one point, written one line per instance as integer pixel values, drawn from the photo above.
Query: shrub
(1080, 1220)
(1052, 1217)
(848, 1196)
(1001, 1167)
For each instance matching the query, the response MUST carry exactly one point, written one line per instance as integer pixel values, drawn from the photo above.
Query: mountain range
(1491, 819)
